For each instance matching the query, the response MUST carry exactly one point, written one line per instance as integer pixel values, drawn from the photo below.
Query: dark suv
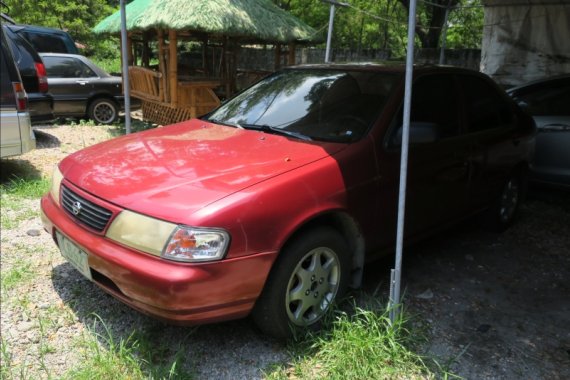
(34, 77)
(46, 40)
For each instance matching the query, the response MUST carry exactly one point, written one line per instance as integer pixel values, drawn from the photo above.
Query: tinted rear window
(47, 43)
(485, 107)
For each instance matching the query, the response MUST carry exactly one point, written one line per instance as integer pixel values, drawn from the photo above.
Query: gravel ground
(498, 305)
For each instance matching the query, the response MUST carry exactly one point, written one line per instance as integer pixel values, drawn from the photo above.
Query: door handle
(81, 82)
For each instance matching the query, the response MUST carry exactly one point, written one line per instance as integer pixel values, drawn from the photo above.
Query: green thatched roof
(258, 20)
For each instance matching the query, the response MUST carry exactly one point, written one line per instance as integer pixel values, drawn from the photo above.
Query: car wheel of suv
(308, 277)
(103, 111)
(503, 212)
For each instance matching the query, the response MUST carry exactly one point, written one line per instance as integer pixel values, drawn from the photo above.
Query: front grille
(86, 212)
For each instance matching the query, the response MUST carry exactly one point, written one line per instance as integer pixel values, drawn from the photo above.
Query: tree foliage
(382, 24)
(364, 24)
(77, 17)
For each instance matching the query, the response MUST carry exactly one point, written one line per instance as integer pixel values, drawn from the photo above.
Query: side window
(553, 100)
(434, 100)
(7, 95)
(86, 72)
(434, 113)
(484, 106)
(66, 67)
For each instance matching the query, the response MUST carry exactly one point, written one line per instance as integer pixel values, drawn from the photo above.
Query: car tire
(103, 111)
(311, 273)
(504, 210)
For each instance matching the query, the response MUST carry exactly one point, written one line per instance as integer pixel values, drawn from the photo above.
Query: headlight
(168, 240)
(196, 244)
(56, 179)
(141, 232)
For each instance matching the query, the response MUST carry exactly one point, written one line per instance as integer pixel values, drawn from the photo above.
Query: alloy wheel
(313, 286)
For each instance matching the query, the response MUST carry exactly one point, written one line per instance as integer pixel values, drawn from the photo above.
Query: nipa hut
(171, 87)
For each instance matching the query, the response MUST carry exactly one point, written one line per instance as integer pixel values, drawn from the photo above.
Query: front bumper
(177, 292)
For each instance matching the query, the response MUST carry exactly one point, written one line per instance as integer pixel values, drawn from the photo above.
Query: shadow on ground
(497, 305)
(14, 168)
(45, 140)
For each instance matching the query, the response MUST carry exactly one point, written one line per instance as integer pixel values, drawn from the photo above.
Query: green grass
(360, 345)
(19, 273)
(110, 65)
(13, 192)
(21, 188)
(113, 65)
(8, 369)
(135, 357)
(136, 126)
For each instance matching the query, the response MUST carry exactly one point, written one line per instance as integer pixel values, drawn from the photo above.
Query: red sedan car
(272, 203)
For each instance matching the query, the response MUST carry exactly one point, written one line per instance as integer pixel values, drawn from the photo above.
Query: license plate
(76, 257)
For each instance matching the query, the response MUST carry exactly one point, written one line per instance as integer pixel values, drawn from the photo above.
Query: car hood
(173, 171)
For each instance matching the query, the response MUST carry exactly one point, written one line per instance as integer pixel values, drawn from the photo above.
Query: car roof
(63, 55)
(392, 67)
(540, 82)
(35, 28)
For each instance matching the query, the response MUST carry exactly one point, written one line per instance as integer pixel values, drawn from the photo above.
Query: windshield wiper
(216, 121)
(278, 131)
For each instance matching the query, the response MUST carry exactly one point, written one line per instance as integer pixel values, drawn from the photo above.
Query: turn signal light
(21, 96)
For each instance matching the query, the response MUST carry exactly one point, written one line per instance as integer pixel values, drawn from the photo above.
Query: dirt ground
(496, 306)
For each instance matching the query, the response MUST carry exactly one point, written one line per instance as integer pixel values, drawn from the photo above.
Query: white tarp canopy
(524, 40)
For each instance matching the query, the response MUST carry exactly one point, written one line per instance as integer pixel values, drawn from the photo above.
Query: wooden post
(145, 59)
(173, 67)
(291, 57)
(226, 70)
(277, 56)
(162, 83)
(205, 64)
(234, 55)
(130, 58)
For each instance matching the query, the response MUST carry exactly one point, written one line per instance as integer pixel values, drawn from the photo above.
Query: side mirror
(420, 133)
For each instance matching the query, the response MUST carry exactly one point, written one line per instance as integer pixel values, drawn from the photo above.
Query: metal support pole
(444, 37)
(329, 35)
(126, 86)
(395, 290)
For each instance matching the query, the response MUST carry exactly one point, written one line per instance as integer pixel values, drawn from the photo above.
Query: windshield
(325, 105)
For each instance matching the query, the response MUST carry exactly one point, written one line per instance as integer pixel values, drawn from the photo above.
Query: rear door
(438, 170)
(491, 127)
(70, 82)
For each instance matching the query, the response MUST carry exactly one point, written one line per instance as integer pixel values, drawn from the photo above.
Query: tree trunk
(429, 34)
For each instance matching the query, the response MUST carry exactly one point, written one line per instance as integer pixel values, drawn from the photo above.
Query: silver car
(548, 101)
(16, 133)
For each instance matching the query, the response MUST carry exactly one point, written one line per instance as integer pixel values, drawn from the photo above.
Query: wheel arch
(100, 95)
(350, 231)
